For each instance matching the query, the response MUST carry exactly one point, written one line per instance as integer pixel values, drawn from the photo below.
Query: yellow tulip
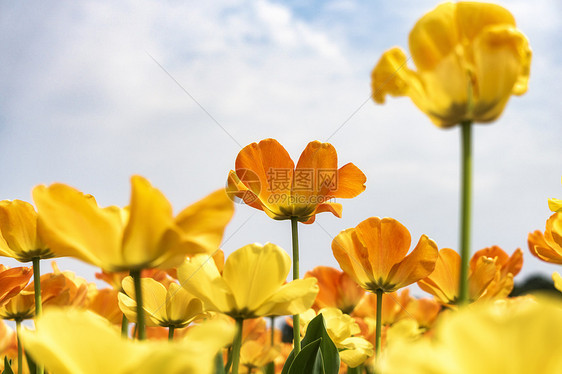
(144, 235)
(77, 341)
(251, 284)
(19, 236)
(470, 59)
(167, 307)
(341, 328)
(515, 336)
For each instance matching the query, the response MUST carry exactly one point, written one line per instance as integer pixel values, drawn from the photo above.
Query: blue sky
(83, 102)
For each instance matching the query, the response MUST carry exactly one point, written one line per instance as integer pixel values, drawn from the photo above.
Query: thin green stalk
(378, 329)
(37, 286)
(20, 350)
(171, 333)
(296, 317)
(236, 345)
(228, 360)
(466, 197)
(135, 274)
(355, 370)
(38, 305)
(125, 327)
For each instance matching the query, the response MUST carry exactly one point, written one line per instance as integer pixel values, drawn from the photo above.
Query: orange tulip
(548, 246)
(104, 303)
(12, 281)
(266, 179)
(443, 283)
(374, 255)
(337, 289)
(506, 268)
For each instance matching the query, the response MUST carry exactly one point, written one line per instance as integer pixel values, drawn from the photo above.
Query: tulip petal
(72, 224)
(351, 182)
(443, 282)
(417, 265)
(264, 270)
(150, 216)
(292, 298)
(203, 223)
(269, 163)
(200, 277)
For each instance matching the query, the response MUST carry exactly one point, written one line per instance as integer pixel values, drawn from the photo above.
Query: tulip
(548, 246)
(373, 254)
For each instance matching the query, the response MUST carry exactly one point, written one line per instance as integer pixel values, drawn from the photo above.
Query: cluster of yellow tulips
(175, 304)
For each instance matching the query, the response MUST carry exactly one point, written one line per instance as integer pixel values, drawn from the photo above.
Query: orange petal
(417, 265)
(443, 282)
(387, 241)
(351, 182)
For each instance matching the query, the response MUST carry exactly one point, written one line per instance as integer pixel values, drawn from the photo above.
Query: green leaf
(329, 353)
(309, 360)
(219, 364)
(7, 367)
(30, 363)
(269, 368)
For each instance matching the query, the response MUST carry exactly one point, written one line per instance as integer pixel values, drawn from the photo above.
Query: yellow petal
(72, 224)
(71, 341)
(557, 281)
(292, 298)
(150, 217)
(265, 268)
(200, 277)
(555, 205)
(443, 283)
(203, 223)
(502, 59)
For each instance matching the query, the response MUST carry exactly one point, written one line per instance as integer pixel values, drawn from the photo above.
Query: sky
(93, 92)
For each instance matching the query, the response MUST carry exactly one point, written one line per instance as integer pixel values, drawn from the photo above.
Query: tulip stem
(296, 317)
(38, 304)
(171, 333)
(20, 350)
(124, 327)
(378, 327)
(466, 197)
(236, 345)
(136, 275)
(37, 286)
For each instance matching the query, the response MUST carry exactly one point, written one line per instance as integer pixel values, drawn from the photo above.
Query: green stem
(378, 327)
(466, 197)
(236, 345)
(125, 327)
(356, 370)
(228, 360)
(135, 274)
(171, 333)
(37, 286)
(296, 317)
(20, 350)
(38, 304)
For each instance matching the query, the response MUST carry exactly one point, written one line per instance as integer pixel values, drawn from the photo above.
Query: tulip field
(175, 303)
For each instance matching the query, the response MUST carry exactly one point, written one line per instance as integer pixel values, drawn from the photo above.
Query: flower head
(266, 178)
(251, 285)
(12, 281)
(143, 235)
(19, 232)
(470, 59)
(548, 246)
(375, 252)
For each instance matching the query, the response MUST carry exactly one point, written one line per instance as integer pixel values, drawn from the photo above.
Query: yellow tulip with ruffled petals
(144, 235)
(170, 306)
(470, 59)
(251, 284)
